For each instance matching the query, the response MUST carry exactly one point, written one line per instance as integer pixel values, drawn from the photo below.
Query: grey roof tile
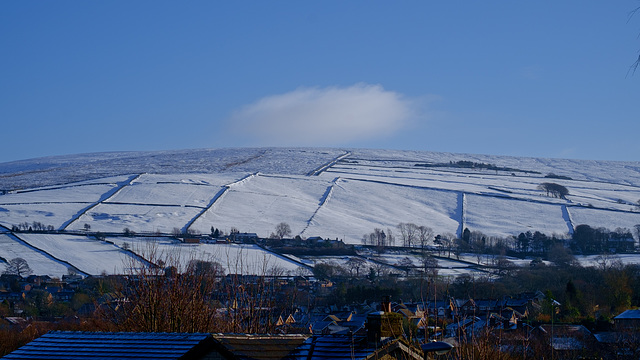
(122, 345)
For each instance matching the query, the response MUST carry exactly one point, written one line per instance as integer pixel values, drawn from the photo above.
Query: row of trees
(555, 190)
(413, 235)
(584, 240)
(588, 240)
(30, 227)
(409, 235)
(379, 238)
(535, 242)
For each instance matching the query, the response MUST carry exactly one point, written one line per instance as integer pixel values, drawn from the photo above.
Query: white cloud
(324, 116)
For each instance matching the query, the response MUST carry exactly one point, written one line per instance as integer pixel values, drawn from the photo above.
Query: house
(520, 305)
(627, 320)
(321, 327)
(63, 295)
(568, 341)
(480, 307)
(287, 320)
(624, 341)
(15, 322)
(380, 338)
(441, 308)
(302, 282)
(11, 295)
(464, 326)
(244, 237)
(72, 278)
(315, 239)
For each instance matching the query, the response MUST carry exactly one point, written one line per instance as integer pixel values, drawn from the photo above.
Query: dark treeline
(589, 295)
(585, 240)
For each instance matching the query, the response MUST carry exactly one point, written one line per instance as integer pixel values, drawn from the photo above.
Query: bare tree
(448, 241)
(406, 264)
(378, 238)
(502, 266)
(327, 270)
(608, 261)
(429, 266)
(355, 263)
(635, 65)
(282, 230)
(250, 302)
(377, 271)
(408, 234)
(205, 268)
(425, 234)
(163, 298)
(391, 239)
(176, 232)
(197, 297)
(18, 266)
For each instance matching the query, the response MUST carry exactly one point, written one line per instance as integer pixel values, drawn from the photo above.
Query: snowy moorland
(332, 193)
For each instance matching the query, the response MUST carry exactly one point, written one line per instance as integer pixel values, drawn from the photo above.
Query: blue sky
(537, 78)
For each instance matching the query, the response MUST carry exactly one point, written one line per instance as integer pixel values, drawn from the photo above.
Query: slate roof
(261, 347)
(319, 326)
(568, 337)
(109, 346)
(334, 347)
(629, 314)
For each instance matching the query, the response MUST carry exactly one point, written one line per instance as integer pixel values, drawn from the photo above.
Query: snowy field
(108, 217)
(90, 256)
(356, 207)
(54, 214)
(39, 262)
(87, 193)
(594, 260)
(67, 169)
(332, 193)
(234, 258)
(260, 202)
(503, 217)
(600, 218)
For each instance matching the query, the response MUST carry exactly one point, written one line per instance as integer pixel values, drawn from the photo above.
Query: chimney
(386, 304)
(384, 324)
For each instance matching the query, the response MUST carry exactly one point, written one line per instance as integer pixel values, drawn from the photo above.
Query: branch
(634, 66)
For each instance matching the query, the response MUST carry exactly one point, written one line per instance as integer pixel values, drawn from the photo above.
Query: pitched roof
(121, 345)
(261, 347)
(628, 314)
(347, 347)
(319, 326)
(406, 312)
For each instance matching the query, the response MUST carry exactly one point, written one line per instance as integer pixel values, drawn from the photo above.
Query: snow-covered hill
(332, 193)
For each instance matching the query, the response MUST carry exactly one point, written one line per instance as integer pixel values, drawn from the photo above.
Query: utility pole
(554, 303)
